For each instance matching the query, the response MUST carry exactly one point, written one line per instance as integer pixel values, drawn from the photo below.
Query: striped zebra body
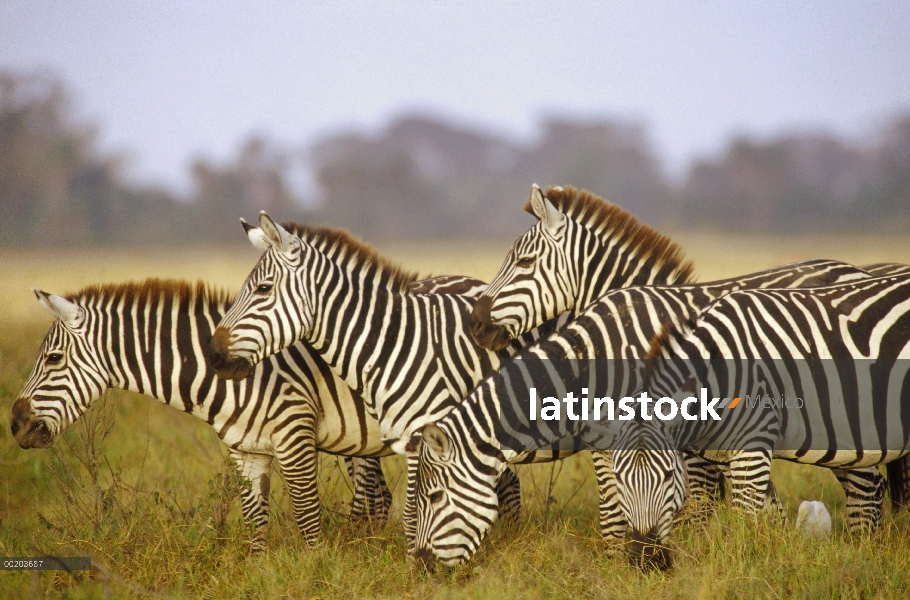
(841, 349)
(567, 260)
(152, 338)
(412, 357)
(600, 351)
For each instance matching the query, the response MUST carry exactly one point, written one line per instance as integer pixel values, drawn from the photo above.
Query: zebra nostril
(218, 352)
(21, 415)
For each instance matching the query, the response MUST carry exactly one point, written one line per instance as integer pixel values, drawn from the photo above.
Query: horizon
(169, 83)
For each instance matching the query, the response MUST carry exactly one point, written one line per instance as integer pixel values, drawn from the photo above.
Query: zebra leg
(613, 526)
(372, 498)
(254, 502)
(706, 486)
(773, 505)
(508, 490)
(865, 491)
(750, 480)
(299, 465)
(409, 514)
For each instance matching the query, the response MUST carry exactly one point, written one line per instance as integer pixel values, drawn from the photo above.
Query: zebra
(152, 337)
(598, 353)
(563, 263)
(841, 350)
(581, 247)
(411, 357)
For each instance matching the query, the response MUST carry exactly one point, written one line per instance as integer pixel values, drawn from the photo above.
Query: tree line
(423, 177)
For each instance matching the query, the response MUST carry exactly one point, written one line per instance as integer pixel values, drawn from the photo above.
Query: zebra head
(517, 299)
(456, 497)
(651, 487)
(272, 310)
(68, 376)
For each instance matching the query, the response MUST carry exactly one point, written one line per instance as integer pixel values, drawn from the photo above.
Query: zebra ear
(436, 439)
(407, 446)
(276, 235)
(544, 210)
(68, 312)
(255, 235)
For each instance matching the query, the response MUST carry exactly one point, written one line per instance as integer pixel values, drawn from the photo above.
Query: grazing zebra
(152, 338)
(411, 357)
(565, 262)
(600, 354)
(841, 351)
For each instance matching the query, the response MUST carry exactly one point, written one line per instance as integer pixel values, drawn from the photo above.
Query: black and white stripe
(842, 349)
(152, 338)
(412, 357)
(601, 351)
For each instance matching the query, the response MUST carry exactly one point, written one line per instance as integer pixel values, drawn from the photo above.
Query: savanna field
(147, 492)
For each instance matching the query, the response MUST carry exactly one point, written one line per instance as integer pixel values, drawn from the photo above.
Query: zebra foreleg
(254, 501)
(508, 490)
(750, 481)
(299, 465)
(372, 498)
(865, 491)
(705, 486)
(409, 514)
(613, 525)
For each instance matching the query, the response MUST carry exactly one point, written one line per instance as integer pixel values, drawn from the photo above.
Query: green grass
(161, 516)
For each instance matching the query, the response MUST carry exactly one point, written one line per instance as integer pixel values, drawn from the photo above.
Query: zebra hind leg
(865, 491)
(372, 498)
(508, 490)
(613, 526)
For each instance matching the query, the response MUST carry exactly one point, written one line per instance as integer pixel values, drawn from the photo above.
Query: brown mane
(603, 216)
(342, 246)
(151, 289)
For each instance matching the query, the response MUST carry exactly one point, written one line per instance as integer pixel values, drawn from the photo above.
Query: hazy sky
(170, 80)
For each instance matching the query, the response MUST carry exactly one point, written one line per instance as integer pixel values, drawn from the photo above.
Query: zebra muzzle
(646, 552)
(487, 334)
(233, 368)
(28, 431)
(426, 557)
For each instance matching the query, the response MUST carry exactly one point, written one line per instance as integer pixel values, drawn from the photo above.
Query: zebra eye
(525, 261)
(436, 497)
(264, 288)
(54, 358)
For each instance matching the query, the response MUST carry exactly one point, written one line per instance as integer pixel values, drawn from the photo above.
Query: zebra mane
(343, 247)
(602, 216)
(167, 290)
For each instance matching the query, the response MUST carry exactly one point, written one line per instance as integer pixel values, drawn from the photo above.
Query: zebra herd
(328, 346)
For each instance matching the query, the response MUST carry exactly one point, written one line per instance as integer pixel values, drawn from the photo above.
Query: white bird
(813, 519)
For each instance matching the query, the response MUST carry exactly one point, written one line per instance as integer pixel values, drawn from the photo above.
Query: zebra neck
(356, 326)
(157, 349)
(609, 265)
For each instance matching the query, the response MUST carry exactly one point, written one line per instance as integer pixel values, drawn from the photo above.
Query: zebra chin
(28, 431)
(647, 552)
(485, 333)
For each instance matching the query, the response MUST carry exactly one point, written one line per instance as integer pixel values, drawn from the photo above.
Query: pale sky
(171, 80)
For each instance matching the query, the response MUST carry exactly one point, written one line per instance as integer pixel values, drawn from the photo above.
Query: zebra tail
(898, 472)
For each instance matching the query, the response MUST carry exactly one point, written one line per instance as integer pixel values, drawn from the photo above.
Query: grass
(148, 492)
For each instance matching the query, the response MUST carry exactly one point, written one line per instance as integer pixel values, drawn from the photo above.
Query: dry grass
(156, 504)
